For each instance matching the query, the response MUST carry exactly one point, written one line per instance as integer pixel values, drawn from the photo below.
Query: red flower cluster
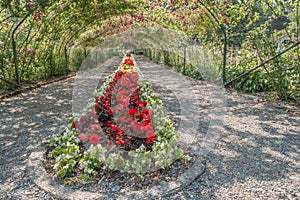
(128, 62)
(37, 16)
(30, 4)
(87, 126)
(124, 113)
(121, 113)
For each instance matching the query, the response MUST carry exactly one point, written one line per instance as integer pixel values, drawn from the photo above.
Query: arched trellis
(44, 20)
(43, 26)
(45, 39)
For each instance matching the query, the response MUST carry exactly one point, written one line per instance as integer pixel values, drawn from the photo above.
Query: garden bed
(106, 183)
(120, 141)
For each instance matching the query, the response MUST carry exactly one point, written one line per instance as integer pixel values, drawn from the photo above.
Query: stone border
(40, 177)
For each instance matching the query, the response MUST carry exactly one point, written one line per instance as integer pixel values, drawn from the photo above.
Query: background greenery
(44, 38)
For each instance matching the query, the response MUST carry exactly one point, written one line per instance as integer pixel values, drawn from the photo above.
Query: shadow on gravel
(25, 121)
(257, 155)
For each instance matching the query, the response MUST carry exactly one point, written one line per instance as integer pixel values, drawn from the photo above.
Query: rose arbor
(121, 129)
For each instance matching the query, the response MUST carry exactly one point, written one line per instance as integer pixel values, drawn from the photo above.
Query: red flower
(128, 62)
(140, 116)
(145, 103)
(150, 137)
(120, 141)
(148, 140)
(94, 139)
(113, 127)
(146, 123)
(223, 13)
(150, 134)
(171, 2)
(225, 21)
(30, 4)
(129, 138)
(83, 137)
(75, 124)
(132, 111)
(96, 107)
(97, 99)
(136, 99)
(120, 133)
(95, 126)
(146, 112)
(106, 105)
(37, 16)
(142, 104)
(82, 120)
(146, 118)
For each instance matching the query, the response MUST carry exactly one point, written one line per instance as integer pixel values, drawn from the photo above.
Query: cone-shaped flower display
(122, 128)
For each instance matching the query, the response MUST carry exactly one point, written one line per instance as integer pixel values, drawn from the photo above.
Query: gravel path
(254, 155)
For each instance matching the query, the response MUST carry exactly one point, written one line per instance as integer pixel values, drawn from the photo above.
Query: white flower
(66, 166)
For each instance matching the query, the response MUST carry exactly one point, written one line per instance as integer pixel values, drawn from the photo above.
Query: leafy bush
(281, 75)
